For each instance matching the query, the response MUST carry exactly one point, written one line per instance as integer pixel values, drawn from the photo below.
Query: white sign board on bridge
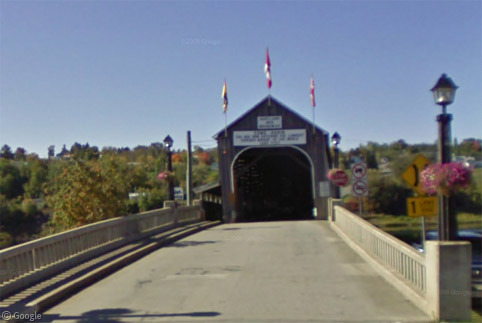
(270, 122)
(269, 137)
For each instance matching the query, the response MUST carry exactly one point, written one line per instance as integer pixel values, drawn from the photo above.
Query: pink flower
(445, 178)
(162, 175)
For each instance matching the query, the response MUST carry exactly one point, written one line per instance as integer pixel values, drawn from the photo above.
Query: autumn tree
(85, 191)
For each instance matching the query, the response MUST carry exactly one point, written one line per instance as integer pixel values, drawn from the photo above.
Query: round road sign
(359, 170)
(360, 188)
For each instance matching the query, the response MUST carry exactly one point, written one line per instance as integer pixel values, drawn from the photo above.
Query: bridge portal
(273, 166)
(273, 184)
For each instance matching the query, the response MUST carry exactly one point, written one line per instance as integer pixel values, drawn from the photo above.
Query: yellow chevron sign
(411, 175)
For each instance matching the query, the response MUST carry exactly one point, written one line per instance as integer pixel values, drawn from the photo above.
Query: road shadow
(247, 228)
(183, 244)
(118, 315)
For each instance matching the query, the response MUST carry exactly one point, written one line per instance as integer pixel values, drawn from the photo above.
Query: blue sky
(127, 73)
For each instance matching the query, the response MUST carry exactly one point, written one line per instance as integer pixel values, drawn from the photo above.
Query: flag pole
(225, 132)
(312, 96)
(224, 96)
(313, 120)
(225, 124)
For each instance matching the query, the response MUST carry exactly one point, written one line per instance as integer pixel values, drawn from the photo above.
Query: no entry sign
(340, 178)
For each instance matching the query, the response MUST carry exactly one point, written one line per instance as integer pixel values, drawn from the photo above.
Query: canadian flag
(312, 92)
(267, 69)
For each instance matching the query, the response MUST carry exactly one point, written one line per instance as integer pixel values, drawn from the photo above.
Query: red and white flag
(224, 96)
(267, 69)
(312, 92)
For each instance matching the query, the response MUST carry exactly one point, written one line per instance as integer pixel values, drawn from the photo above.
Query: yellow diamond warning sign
(411, 175)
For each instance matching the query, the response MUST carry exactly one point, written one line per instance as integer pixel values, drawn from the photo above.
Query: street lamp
(168, 142)
(335, 140)
(444, 94)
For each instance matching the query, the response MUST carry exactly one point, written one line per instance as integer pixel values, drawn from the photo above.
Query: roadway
(254, 272)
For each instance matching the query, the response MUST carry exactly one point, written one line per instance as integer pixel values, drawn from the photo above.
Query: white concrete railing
(395, 254)
(24, 264)
(438, 281)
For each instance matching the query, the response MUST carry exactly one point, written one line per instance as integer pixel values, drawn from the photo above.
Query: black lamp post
(444, 94)
(335, 140)
(168, 142)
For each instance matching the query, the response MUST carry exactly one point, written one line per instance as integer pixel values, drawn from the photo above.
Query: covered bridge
(273, 165)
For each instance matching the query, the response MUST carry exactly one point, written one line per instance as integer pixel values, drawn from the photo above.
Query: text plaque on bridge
(269, 137)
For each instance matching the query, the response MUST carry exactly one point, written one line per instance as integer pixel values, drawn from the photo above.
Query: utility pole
(189, 171)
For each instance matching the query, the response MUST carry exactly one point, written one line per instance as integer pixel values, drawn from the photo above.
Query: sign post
(421, 205)
(359, 180)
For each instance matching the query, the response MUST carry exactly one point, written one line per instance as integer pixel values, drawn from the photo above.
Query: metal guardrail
(22, 265)
(400, 258)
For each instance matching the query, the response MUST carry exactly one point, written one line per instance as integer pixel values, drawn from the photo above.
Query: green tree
(20, 154)
(36, 172)
(11, 180)
(6, 239)
(386, 194)
(18, 219)
(51, 151)
(84, 152)
(63, 152)
(6, 152)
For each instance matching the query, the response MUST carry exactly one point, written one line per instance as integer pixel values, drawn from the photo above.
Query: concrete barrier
(438, 281)
(449, 287)
(28, 263)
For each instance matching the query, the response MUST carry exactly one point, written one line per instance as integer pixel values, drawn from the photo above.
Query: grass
(409, 229)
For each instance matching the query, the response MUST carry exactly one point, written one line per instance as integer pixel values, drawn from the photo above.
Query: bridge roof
(270, 100)
(213, 188)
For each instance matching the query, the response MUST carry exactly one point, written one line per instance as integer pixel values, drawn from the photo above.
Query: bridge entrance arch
(273, 165)
(273, 184)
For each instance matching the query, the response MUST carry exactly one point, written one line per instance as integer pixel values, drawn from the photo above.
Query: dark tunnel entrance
(273, 184)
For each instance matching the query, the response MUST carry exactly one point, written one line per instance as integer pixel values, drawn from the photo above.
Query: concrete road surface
(256, 272)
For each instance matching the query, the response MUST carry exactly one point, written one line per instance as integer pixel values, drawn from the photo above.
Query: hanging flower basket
(445, 178)
(165, 175)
